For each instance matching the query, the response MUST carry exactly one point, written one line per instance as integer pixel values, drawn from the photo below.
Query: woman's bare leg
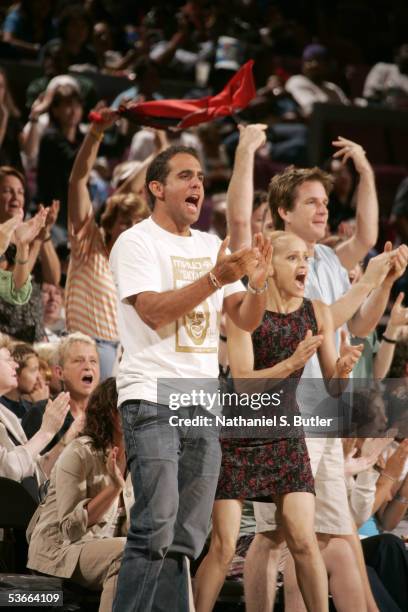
(260, 571)
(297, 519)
(208, 581)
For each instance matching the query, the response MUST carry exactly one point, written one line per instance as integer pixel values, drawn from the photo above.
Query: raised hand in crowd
(53, 418)
(240, 193)
(252, 261)
(27, 232)
(41, 104)
(355, 465)
(399, 314)
(348, 356)
(55, 413)
(115, 467)
(252, 136)
(107, 118)
(385, 266)
(399, 262)
(305, 350)
(52, 216)
(347, 149)
(24, 236)
(7, 230)
(258, 273)
(365, 233)
(392, 470)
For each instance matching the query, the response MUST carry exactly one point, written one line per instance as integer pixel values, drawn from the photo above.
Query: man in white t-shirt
(173, 284)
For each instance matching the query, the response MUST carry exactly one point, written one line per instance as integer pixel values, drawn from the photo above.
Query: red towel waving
(235, 96)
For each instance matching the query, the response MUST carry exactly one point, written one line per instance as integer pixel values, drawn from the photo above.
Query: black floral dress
(261, 469)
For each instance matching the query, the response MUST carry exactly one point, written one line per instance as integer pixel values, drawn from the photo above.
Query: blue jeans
(174, 472)
(107, 350)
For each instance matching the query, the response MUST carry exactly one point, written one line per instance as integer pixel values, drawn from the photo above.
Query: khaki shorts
(332, 515)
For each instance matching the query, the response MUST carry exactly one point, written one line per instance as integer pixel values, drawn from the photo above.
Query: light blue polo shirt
(327, 281)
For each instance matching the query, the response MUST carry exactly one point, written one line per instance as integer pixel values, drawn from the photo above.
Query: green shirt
(8, 291)
(364, 368)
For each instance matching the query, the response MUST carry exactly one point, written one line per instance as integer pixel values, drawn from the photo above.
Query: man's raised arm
(365, 237)
(241, 187)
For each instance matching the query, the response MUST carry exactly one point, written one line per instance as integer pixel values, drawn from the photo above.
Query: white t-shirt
(148, 258)
(306, 93)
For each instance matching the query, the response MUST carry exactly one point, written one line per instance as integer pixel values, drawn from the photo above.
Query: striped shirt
(90, 290)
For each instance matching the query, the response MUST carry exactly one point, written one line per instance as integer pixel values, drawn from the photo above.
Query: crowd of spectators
(70, 187)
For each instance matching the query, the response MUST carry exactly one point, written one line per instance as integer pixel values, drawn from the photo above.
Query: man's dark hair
(159, 169)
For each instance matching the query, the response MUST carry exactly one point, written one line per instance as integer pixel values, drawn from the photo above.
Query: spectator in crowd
(397, 388)
(103, 44)
(10, 127)
(146, 142)
(311, 86)
(78, 371)
(75, 29)
(54, 320)
(58, 147)
(79, 531)
(369, 490)
(178, 478)
(20, 458)
(48, 352)
(90, 291)
(387, 84)
(25, 322)
(28, 25)
(146, 86)
(342, 200)
(15, 284)
(54, 65)
(19, 400)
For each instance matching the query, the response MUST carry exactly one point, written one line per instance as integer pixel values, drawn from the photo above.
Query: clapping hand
(28, 231)
(8, 228)
(257, 277)
(114, 469)
(349, 355)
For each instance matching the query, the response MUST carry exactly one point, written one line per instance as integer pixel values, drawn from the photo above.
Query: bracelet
(343, 370)
(214, 280)
(389, 340)
(257, 291)
(223, 338)
(21, 261)
(47, 238)
(389, 477)
(33, 119)
(96, 134)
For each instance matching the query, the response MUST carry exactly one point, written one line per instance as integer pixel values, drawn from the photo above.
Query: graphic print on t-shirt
(197, 331)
